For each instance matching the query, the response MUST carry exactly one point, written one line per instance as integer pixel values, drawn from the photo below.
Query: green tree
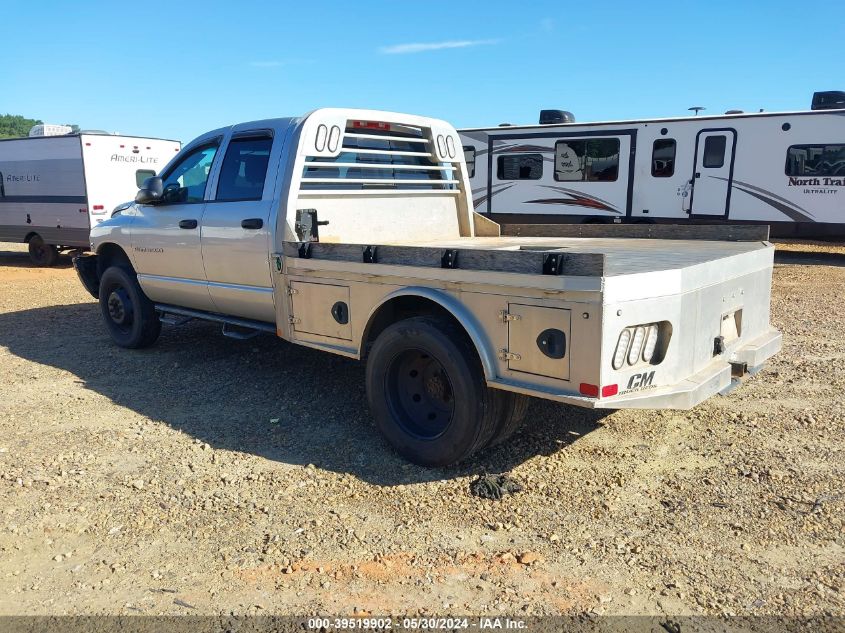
(14, 125)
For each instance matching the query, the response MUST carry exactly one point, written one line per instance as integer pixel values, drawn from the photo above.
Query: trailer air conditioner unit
(830, 100)
(47, 129)
(548, 117)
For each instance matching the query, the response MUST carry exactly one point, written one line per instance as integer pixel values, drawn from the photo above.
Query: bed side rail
(530, 262)
(713, 232)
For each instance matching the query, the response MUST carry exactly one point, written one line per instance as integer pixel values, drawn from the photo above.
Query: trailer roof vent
(830, 100)
(549, 117)
(733, 112)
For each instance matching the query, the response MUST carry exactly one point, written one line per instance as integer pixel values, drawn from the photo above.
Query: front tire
(41, 253)
(427, 392)
(129, 314)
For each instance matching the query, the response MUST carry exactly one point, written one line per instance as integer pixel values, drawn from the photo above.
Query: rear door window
(244, 168)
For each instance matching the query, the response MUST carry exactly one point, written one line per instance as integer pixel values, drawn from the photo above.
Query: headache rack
(380, 158)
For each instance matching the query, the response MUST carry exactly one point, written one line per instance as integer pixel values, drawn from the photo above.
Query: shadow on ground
(20, 259)
(808, 258)
(264, 396)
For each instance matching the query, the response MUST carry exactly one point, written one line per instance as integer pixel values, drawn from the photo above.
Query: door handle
(698, 174)
(252, 223)
(187, 224)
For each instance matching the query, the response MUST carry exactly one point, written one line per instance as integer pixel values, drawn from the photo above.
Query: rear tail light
(644, 343)
(621, 349)
(98, 207)
(636, 345)
(650, 343)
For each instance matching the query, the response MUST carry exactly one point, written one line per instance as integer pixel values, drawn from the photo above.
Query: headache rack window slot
(388, 159)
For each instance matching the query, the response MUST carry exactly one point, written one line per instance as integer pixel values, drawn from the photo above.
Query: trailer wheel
(42, 254)
(427, 392)
(129, 315)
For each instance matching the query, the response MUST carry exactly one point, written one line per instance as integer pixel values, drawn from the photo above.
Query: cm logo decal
(640, 381)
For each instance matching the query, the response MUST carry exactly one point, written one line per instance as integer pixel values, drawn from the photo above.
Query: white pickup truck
(352, 231)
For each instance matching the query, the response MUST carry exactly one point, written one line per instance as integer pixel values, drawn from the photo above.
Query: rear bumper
(713, 379)
(86, 269)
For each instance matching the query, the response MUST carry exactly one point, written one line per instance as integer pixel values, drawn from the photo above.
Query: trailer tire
(427, 392)
(41, 253)
(130, 316)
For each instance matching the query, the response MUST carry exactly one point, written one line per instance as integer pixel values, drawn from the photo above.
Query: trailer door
(711, 181)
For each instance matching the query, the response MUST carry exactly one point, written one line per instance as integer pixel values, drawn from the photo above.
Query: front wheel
(427, 392)
(129, 314)
(41, 253)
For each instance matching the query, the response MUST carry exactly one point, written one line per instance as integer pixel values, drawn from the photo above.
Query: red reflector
(609, 390)
(98, 207)
(87, 144)
(148, 148)
(589, 390)
(122, 146)
(371, 125)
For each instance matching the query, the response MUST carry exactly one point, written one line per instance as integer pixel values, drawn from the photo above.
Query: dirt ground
(208, 475)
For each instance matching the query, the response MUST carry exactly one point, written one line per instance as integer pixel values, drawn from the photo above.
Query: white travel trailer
(784, 169)
(53, 189)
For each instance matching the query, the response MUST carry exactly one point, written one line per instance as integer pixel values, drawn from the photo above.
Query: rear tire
(512, 418)
(42, 254)
(427, 392)
(129, 314)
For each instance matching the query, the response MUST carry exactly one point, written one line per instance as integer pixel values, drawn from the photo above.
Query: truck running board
(173, 315)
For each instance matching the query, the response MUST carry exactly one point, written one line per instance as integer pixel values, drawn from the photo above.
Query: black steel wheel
(428, 393)
(129, 315)
(420, 394)
(41, 253)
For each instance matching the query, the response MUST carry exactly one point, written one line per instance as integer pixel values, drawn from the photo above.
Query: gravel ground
(207, 475)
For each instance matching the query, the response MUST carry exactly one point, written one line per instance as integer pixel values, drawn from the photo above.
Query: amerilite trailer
(53, 189)
(786, 170)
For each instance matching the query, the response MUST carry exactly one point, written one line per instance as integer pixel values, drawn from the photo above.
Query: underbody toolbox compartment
(320, 309)
(538, 340)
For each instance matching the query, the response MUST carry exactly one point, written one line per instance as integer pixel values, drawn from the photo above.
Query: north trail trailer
(53, 189)
(786, 170)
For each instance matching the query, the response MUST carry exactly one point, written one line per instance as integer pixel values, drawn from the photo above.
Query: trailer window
(592, 160)
(714, 151)
(185, 181)
(469, 157)
(141, 176)
(663, 158)
(816, 160)
(244, 169)
(520, 167)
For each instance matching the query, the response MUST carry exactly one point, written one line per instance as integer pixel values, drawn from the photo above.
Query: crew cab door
(711, 181)
(236, 229)
(166, 237)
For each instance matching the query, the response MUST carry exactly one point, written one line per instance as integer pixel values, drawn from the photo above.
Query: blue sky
(176, 70)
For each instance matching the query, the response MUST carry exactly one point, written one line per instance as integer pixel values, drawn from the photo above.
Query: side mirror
(152, 191)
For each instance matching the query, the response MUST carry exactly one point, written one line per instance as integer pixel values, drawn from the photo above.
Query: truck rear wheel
(427, 392)
(42, 254)
(129, 315)
(512, 416)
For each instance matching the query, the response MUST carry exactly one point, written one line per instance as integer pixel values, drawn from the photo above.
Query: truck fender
(479, 339)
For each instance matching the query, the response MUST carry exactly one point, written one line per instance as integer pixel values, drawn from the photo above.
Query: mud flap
(86, 269)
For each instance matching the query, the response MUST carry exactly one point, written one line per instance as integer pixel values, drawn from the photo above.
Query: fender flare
(476, 333)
